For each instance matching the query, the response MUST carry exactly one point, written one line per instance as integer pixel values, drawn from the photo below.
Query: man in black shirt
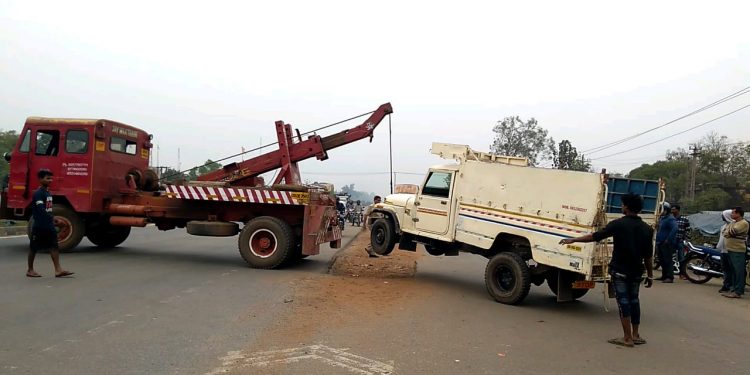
(633, 247)
(43, 231)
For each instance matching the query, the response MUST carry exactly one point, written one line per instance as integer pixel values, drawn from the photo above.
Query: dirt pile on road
(354, 262)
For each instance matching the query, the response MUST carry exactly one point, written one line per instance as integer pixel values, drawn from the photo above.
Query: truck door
(20, 181)
(45, 146)
(434, 202)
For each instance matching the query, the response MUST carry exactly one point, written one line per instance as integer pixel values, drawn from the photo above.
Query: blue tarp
(709, 222)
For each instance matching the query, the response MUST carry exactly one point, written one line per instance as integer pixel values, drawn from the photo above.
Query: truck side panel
(541, 205)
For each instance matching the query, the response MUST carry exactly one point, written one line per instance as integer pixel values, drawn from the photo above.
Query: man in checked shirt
(683, 234)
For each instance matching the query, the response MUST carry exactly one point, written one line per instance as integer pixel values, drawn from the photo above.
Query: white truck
(514, 215)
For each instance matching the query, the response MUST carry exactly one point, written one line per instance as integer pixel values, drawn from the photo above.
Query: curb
(12, 231)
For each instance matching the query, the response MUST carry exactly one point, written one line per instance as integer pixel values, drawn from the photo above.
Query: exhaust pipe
(705, 270)
(128, 221)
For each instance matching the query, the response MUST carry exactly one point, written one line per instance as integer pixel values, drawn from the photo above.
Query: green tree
(8, 141)
(565, 156)
(208, 166)
(516, 137)
(172, 175)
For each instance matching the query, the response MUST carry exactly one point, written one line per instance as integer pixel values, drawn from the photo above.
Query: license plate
(583, 284)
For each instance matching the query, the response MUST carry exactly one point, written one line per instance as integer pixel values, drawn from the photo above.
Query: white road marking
(340, 358)
(104, 326)
(18, 236)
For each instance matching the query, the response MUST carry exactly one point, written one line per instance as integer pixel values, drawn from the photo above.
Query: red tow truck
(103, 186)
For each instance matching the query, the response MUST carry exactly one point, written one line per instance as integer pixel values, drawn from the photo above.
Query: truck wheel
(69, 226)
(212, 228)
(552, 284)
(382, 237)
(507, 278)
(266, 242)
(105, 235)
(434, 250)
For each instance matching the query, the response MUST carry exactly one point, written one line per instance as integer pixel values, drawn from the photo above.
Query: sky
(211, 78)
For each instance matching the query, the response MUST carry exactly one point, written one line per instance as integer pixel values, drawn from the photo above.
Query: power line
(708, 106)
(673, 135)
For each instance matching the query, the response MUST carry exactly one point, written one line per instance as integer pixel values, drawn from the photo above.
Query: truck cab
(92, 161)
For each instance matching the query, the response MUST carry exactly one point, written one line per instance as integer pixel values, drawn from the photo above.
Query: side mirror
(6, 156)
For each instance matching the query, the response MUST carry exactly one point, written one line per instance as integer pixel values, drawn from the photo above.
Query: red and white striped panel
(236, 195)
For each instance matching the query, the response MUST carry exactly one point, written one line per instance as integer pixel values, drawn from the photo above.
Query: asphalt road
(170, 303)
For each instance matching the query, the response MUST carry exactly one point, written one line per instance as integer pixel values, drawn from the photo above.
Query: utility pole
(693, 170)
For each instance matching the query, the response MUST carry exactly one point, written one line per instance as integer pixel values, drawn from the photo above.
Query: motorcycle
(704, 263)
(355, 218)
(342, 219)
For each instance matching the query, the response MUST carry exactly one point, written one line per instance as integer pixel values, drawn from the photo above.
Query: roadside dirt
(354, 262)
(363, 292)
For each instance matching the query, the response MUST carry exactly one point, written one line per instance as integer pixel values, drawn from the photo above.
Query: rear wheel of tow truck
(552, 282)
(266, 242)
(507, 278)
(105, 235)
(382, 237)
(69, 226)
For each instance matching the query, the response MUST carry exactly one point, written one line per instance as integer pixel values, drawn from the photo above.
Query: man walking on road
(633, 247)
(735, 237)
(666, 238)
(43, 232)
(683, 234)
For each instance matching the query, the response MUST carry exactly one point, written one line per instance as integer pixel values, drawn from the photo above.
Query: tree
(565, 156)
(515, 137)
(355, 195)
(722, 176)
(8, 141)
(208, 166)
(172, 175)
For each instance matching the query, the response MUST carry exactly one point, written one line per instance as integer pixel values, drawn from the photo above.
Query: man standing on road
(683, 234)
(666, 238)
(735, 237)
(43, 232)
(633, 247)
(365, 222)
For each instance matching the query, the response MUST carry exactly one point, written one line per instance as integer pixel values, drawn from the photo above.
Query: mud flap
(565, 282)
(407, 242)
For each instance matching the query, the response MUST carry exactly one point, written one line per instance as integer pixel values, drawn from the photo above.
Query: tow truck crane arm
(292, 149)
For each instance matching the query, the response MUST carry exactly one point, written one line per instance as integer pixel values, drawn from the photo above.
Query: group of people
(675, 228)
(366, 212)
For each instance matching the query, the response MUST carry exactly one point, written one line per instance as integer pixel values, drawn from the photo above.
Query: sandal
(639, 341)
(619, 341)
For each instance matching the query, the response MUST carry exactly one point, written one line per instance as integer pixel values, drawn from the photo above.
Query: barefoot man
(633, 246)
(43, 232)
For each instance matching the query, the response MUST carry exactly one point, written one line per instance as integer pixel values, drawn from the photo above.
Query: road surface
(170, 303)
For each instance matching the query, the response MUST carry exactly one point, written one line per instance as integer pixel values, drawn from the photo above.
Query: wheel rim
(64, 228)
(505, 279)
(379, 237)
(691, 273)
(263, 243)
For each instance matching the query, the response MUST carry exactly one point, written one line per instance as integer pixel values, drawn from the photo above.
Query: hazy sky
(212, 78)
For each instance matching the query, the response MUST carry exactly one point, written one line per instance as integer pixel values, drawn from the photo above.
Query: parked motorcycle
(704, 263)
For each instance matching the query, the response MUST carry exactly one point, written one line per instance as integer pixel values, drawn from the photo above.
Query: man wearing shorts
(43, 232)
(633, 246)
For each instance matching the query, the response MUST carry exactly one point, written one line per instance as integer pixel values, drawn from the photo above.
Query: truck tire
(434, 250)
(69, 226)
(382, 237)
(552, 284)
(266, 242)
(507, 278)
(212, 228)
(105, 235)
